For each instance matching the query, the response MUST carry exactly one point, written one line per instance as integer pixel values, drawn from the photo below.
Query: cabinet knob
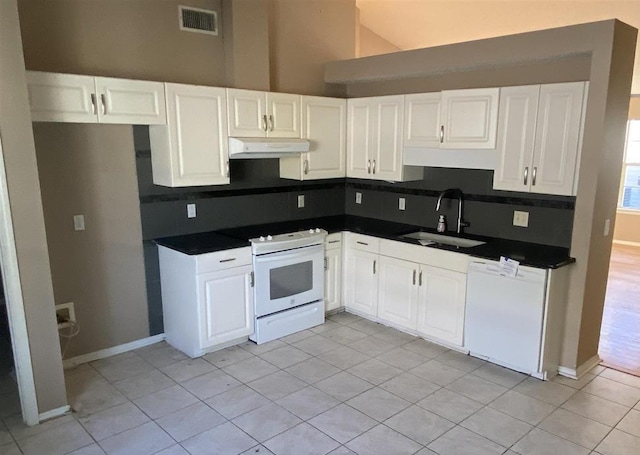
(93, 103)
(264, 122)
(526, 174)
(306, 166)
(104, 104)
(374, 166)
(368, 166)
(533, 176)
(270, 122)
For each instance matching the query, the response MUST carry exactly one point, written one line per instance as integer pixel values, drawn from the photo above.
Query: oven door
(287, 279)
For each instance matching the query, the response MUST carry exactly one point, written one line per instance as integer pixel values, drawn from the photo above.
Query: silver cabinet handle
(264, 122)
(374, 166)
(104, 104)
(526, 174)
(368, 166)
(414, 277)
(420, 278)
(270, 122)
(227, 260)
(251, 279)
(441, 134)
(336, 241)
(374, 267)
(93, 103)
(326, 264)
(306, 166)
(227, 168)
(361, 243)
(533, 176)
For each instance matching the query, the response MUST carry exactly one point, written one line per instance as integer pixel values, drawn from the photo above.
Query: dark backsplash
(258, 195)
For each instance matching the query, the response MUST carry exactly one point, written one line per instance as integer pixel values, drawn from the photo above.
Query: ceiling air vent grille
(198, 20)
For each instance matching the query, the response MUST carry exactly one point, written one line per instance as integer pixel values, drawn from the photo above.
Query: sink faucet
(461, 223)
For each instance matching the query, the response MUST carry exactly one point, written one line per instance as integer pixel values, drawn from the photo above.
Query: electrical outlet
(65, 313)
(520, 219)
(301, 201)
(607, 227)
(401, 203)
(191, 210)
(358, 197)
(78, 222)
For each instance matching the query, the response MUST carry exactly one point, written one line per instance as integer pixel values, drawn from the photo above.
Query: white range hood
(259, 147)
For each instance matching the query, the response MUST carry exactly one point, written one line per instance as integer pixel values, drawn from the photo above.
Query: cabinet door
(130, 102)
(387, 133)
(283, 112)
(398, 292)
(470, 118)
(359, 128)
(333, 279)
(193, 148)
(516, 134)
(557, 137)
(361, 274)
(225, 305)
(324, 124)
(441, 304)
(247, 113)
(422, 120)
(57, 97)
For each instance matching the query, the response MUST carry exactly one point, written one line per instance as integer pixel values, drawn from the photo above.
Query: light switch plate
(401, 203)
(191, 210)
(607, 227)
(301, 201)
(358, 197)
(520, 219)
(78, 222)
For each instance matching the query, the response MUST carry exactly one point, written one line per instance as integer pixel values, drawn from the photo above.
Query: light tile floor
(348, 386)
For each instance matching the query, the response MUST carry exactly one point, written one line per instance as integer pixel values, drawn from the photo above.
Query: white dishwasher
(504, 315)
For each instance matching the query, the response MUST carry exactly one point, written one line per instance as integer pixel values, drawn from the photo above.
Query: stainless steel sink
(427, 238)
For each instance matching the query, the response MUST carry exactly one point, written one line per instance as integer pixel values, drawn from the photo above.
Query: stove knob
(317, 230)
(261, 238)
(310, 231)
(269, 237)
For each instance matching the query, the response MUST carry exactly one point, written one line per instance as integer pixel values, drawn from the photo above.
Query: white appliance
(289, 283)
(505, 315)
(260, 147)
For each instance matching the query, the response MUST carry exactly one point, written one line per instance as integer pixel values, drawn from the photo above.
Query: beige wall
(26, 213)
(610, 45)
(90, 170)
(137, 39)
(370, 43)
(304, 35)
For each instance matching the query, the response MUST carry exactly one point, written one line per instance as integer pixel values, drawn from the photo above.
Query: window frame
(620, 208)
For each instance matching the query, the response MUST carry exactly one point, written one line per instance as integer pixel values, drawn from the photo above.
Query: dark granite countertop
(530, 254)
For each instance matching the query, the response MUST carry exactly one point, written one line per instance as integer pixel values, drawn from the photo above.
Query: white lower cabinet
(333, 272)
(414, 288)
(207, 299)
(441, 304)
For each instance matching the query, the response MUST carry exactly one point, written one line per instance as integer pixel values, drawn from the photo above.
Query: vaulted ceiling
(411, 24)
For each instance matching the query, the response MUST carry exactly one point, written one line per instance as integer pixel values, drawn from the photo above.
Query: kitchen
(292, 207)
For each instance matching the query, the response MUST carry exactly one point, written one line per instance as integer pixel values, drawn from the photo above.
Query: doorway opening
(9, 395)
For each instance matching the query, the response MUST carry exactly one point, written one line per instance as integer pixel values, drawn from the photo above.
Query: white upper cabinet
(324, 124)
(55, 97)
(375, 127)
(469, 118)
(452, 119)
(539, 137)
(260, 114)
(422, 120)
(193, 148)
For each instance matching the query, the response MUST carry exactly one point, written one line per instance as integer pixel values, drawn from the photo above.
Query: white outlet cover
(520, 219)
(401, 203)
(301, 201)
(78, 222)
(358, 197)
(191, 210)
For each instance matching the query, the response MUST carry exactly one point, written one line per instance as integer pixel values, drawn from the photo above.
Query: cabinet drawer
(221, 260)
(362, 242)
(333, 241)
(442, 259)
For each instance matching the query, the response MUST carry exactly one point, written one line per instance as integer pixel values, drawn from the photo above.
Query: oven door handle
(284, 256)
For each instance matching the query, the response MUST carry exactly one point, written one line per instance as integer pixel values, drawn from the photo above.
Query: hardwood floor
(620, 333)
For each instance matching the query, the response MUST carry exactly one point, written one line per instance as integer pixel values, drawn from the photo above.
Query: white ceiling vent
(198, 20)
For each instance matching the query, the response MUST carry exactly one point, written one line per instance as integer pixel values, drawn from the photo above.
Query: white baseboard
(627, 243)
(57, 412)
(577, 373)
(103, 353)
